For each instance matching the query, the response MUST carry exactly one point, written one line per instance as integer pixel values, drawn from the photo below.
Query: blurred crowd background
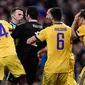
(70, 8)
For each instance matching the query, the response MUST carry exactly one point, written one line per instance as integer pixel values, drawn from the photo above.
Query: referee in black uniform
(28, 53)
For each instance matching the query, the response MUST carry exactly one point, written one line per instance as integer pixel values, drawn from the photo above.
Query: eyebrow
(20, 14)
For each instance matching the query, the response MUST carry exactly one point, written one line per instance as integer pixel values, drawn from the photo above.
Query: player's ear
(28, 16)
(82, 19)
(11, 15)
(50, 15)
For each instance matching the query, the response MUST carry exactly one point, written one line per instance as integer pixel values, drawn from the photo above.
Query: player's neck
(32, 20)
(83, 23)
(56, 22)
(14, 21)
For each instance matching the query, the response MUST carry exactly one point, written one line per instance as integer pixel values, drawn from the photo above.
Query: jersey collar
(13, 25)
(58, 22)
(33, 20)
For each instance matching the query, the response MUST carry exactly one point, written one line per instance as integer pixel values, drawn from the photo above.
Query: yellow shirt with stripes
(7, 46)
(57, 37)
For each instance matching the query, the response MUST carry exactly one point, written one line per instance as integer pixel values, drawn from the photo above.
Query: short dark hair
(82, 13)
(33, 12)
(16, 8)
(56, 13)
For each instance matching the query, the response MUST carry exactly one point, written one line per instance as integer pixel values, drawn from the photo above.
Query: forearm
(31, 40)
(40, 52)
(44, 50)
(74, 25)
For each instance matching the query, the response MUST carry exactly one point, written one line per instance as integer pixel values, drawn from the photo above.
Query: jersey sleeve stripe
(76, 33)
(37, 38)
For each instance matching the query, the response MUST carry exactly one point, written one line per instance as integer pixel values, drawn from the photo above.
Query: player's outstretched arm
(31, 40)
(44, 50)
(40, 37)
(40, 52)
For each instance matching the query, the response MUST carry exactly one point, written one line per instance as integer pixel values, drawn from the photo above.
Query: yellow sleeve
(8, 25)
(80, 31)
(82, 72)
(42, 35)
(70, 31)
(84, 40)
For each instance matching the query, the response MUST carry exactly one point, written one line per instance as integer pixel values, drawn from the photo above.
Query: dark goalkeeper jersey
(23, 32)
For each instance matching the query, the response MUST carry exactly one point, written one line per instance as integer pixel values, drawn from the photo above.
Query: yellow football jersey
(57, 37)
(6, 42)
(81, 74)
(71, 63)
(72, 60)
(80, 31)
(82, 38)
(71, 79)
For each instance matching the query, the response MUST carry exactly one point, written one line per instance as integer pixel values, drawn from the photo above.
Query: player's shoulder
(48, 28)
(36, 25)
(82, 27)
(3, 21)
(25, 24)
(67, 26)
(21, 25)
(83, 68)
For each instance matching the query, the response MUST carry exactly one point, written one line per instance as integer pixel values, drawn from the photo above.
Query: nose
(46, 16)
(22, 16)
